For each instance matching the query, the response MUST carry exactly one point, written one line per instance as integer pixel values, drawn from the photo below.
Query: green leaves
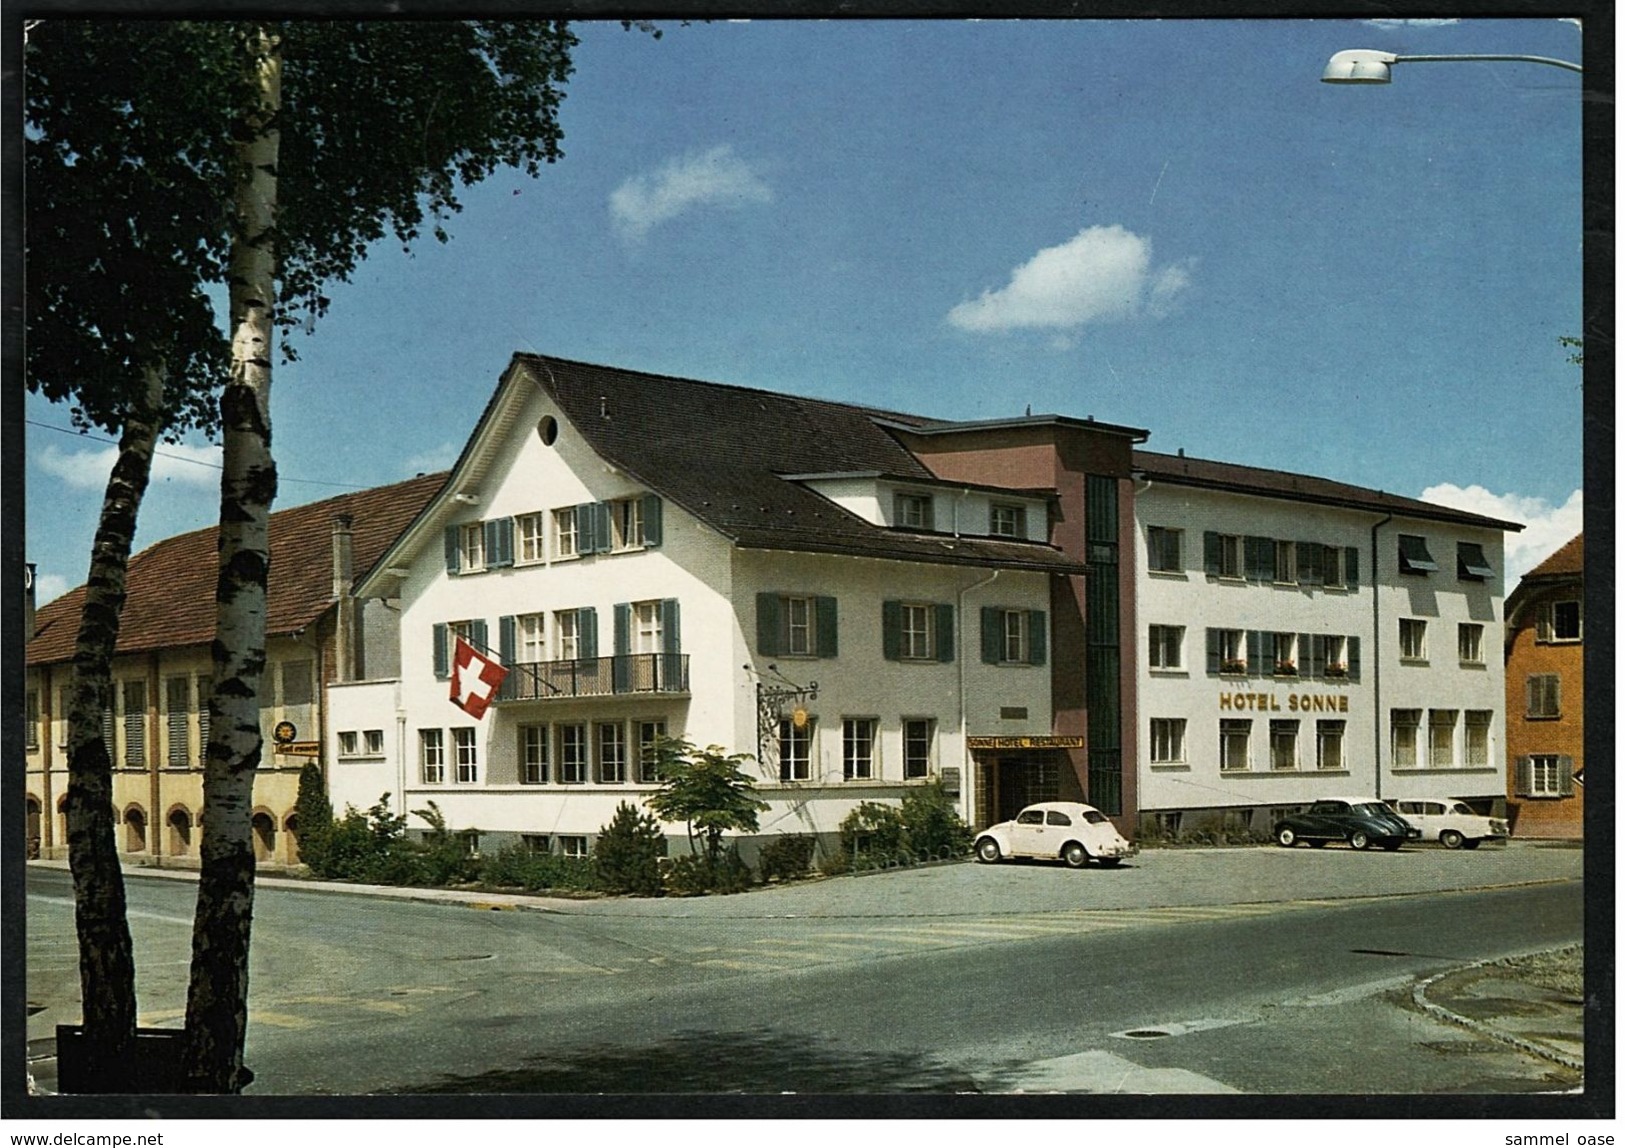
(706, 789)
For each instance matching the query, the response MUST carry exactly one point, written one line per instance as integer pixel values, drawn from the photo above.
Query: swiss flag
(475, 679)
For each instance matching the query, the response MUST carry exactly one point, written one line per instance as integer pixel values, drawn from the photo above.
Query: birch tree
(337, 134)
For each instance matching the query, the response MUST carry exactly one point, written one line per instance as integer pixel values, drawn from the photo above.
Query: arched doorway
(36, 827)
(264, 833)
(135, 830)
(180, 832)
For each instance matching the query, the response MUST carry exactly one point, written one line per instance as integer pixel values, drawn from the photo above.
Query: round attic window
(548, 430)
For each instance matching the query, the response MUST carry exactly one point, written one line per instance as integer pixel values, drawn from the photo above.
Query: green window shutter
(1306, 647)
(442, 651)
(769, 619)
(1317, 655)
(1522, 781)
(1351, 567)
(480, 638)
(652, 527)
(1266, 652)
(453, 561)
(945, 633)
(498, 542)
(992, 635)
(1311, 556)
(891, 631)
(587, 631)
(1354, 658)
(1212, 650)
(671, 626)
(602, 535)
(828, 630)
(1037, 638)
(1255, 652)
(507, 634)
(1565, 776)
(1210, 552)
(1253, 551)
(623, 627)
(586, 529)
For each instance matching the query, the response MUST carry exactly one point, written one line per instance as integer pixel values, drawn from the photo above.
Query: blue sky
(1165, 224)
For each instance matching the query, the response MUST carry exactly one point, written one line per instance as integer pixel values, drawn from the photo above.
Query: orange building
(1545, 676)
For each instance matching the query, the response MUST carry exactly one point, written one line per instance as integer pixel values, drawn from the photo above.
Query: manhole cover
(1379, 953)
(470, 957)
(1146, 1033)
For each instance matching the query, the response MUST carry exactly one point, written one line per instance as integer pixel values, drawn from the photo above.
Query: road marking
(744, 966)
(1104, 1072)
(68, 901)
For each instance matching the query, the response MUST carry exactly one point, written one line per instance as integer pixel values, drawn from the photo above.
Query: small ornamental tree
(626, 857)
(313, 814)
(707, 791)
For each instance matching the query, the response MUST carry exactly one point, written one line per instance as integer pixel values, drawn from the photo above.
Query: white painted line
(1104, 1072)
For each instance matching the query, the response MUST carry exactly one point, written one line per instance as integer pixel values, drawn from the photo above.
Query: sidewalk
(1534, 1003)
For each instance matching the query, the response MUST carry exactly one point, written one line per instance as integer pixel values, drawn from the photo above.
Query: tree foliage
(626, 856)
(707, 791)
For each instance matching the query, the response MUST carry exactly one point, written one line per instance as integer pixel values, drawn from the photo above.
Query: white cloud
(714, 178)
(49, 587)
(1546, 527)
(89, 469)
(433, 459)
(1100, 275)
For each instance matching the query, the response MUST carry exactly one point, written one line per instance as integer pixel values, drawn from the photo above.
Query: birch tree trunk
(217, 998)
(106, 958)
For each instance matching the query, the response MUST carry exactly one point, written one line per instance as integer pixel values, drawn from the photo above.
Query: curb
(1523, 1044)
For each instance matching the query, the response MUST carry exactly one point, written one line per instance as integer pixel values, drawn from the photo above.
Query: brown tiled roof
(1568, 561)
(1180, 469)
(169, 588)
(722, 454)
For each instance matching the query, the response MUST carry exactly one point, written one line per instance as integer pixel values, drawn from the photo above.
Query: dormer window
(1006, 520)
(912, 511)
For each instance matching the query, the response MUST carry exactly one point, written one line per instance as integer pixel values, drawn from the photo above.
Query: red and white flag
(475, 679)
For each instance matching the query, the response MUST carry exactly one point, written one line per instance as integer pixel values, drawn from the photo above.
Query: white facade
(1270, 663)
(553, 759)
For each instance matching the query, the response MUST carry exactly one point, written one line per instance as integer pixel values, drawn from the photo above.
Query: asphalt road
(935, 981)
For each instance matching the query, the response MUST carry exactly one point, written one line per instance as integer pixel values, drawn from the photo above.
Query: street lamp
(1369, 66)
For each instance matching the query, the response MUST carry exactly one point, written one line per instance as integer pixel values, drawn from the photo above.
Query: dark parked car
(1361, 821)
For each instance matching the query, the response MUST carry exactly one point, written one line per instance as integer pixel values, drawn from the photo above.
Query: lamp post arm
(1572, 67)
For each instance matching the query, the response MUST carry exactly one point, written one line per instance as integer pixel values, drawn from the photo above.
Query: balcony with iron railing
(595, 677)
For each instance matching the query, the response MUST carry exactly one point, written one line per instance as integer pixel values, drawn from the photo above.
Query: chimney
(344, 653)
(28, 602)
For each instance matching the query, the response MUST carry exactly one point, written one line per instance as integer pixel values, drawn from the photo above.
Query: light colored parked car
(1067, 830)
(1450, 822)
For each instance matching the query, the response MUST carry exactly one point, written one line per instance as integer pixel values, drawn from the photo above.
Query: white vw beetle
(1069, 830)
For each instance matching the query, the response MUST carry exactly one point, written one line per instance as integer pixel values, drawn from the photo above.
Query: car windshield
(1093, 816)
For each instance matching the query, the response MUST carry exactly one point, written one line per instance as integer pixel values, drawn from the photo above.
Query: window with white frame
(536, 842)
(1337, 655)
(1163, 548)
(1167, 647)
(647, 634)
(531, 531)
(1234, 750)
(1558, 622)
(432, 756)
(1017, 634)
(918, 736)
(572, 753)
(1546, 775)
(567, 635)
(1405, 729)
(1476, 740)
(533, 755)
(531, 631)
(566, 532)
(649, 733)
(349, 743)
(611, 752)
(1167, 741)
(1329, 744)
(1286, 655)
(573, 845)
(471, 547)
(1286, 561)
(1331, 572)
(1413, 640)
(795, 749)
(626, 524)
(1230, 650)
(1544, 693)
(1470, 643)
(372, 742)
(1230, 556)
(467, 750)
(915, 631)
(913, 511)
(1007, 521)
(1441, 739)
(857, 748)
(1284, 744)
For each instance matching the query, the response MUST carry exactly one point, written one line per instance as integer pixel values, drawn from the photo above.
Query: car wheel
(987, 849)
(1359, 839)
(1473, 844)
(1450, 839)
(1074, 855)
(1285, 837)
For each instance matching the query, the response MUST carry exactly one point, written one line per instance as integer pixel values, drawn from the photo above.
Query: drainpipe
(1376, 657)
(968, 793)
(343, 600)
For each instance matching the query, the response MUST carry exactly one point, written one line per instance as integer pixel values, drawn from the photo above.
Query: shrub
(313, 816)
(932, 827)
(356, 846)
(626, 858)
(519, 867)
(872, 832)
(695, 874)
(787, 857)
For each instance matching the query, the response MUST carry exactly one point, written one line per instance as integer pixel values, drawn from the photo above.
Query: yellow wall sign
(1295, 703)
(1017, 742)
